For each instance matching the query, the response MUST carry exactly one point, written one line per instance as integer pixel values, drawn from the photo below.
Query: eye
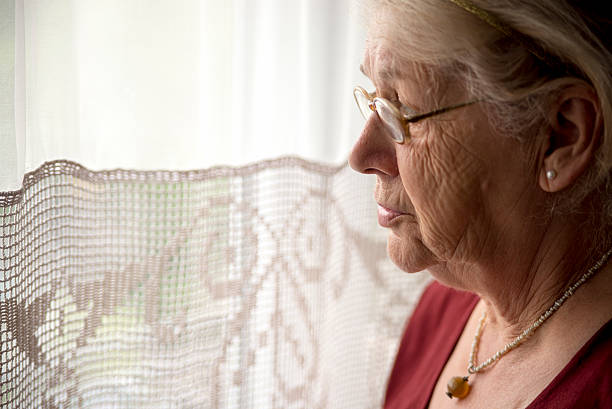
(407, 111)
(394, 99)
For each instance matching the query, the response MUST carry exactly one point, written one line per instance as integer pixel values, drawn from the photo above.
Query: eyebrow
(386, 74)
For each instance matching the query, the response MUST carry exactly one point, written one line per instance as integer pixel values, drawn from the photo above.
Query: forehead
(417, 83)
(382, 66)
(379, 63)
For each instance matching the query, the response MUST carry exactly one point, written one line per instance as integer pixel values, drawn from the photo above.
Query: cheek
(443, 180)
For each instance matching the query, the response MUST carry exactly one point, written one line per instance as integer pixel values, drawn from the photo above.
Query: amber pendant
(458, 387)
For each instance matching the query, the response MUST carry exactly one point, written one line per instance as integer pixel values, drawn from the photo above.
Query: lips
(386, 215)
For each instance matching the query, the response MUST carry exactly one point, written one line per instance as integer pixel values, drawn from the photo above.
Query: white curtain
(176, 84)
(255, 284)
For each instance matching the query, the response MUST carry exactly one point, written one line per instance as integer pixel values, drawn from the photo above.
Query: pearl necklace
(458, 386)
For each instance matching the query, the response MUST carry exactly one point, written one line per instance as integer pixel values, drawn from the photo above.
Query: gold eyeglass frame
(404, 120)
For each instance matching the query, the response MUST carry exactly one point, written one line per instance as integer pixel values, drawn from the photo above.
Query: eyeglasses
(396, 122)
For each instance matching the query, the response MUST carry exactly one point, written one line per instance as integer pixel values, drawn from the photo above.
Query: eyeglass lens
(386, 114)
(390, 119)
(364, 104)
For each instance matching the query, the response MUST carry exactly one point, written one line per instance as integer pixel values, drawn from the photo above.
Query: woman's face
(450, 192)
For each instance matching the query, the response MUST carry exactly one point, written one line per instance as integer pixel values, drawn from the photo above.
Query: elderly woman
(490, 135)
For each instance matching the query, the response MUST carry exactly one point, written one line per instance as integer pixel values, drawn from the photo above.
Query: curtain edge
(67, 167)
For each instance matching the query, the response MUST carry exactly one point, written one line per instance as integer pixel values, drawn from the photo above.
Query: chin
(409, 253)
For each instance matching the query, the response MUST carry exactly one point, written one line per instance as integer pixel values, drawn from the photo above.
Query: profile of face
(454, 185)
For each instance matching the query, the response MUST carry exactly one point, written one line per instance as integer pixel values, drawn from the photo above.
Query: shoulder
(586, 381)
(439, 317)
(429, 338)
(438, 301)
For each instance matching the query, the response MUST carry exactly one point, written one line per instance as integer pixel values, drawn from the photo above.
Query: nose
(374, 151)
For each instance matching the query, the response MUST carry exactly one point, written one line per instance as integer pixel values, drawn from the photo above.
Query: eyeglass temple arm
(417, 118)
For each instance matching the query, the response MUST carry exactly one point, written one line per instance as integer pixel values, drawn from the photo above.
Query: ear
(573, 135)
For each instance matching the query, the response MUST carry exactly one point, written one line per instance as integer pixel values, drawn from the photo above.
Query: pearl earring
(551, 174)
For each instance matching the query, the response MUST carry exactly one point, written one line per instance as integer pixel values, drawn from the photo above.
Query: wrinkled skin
(465, 190)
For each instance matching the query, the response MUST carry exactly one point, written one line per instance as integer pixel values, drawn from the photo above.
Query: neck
(518, 296)
(526, 274)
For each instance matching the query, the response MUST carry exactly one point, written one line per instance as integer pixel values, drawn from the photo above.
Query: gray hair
(495, 67)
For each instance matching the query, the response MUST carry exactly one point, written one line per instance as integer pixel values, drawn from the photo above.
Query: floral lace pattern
(266, 286)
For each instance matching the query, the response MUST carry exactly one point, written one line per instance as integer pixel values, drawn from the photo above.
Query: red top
(434, 329)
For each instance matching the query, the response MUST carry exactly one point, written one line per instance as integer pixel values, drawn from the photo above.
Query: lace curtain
(265, 286)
